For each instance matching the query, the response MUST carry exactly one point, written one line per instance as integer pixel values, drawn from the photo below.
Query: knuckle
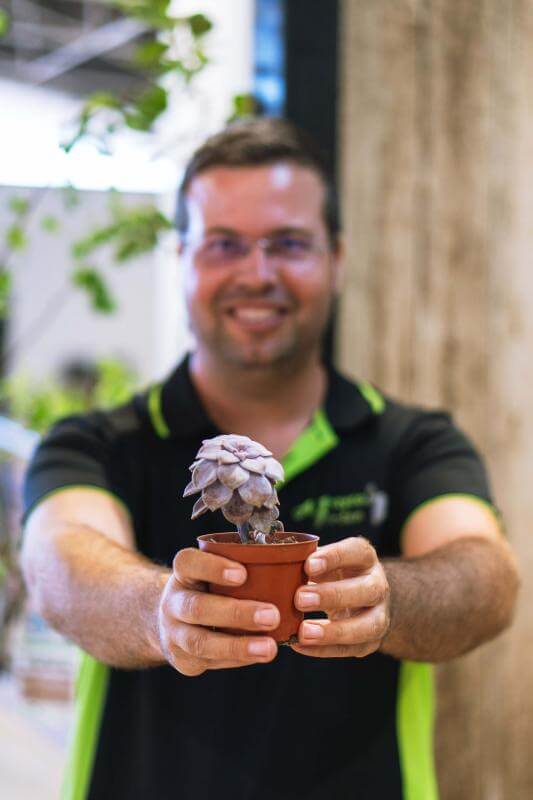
(366, 548)
(235, 649)
(191, 604)
(335, 597)
(376, 627)
(190, 670)
(181, 559)
(235, 615)
(194, 642)
(375, 590)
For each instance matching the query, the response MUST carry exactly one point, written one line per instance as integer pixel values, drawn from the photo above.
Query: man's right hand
(187, 614)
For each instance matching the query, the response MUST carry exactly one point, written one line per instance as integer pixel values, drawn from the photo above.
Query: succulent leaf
(227, 458)
(274, 470)
(209, 451)
(232, 475)
(198, 508)
(236, 510)
(254, 464)
(256, 490)
(263, 518)
(190, 489)
(204, 474)
(273, 500)
(216, 495)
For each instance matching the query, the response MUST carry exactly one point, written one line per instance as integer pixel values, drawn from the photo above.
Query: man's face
(258, 304)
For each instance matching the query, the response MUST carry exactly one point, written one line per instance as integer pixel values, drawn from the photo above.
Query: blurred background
(426, 111)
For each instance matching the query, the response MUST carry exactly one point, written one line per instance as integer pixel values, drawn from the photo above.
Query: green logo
(344, 510)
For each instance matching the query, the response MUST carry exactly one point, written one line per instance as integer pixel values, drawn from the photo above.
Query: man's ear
(338, 264)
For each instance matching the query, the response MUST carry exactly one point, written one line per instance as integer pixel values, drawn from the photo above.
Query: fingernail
(316, 565)
(311, 631)
(266, 616)
(308, 599)
(260, 648)
(234, 575)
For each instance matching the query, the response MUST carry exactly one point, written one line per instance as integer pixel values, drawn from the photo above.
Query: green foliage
(16, 238)
(134, 230)
(199, 25)
(38, 404)
(5, 291)
(244, 106)
(19, 205)
(4, 22)
(91, 281)
(146, 109)
(50, 224)
(153, 13)
(149, 55)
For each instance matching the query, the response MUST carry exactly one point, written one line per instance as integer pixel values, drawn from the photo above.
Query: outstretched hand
(350, 585)
(188, 614)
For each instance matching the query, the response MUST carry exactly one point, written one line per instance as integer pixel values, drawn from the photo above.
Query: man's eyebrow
(281, 231)
(222, 229)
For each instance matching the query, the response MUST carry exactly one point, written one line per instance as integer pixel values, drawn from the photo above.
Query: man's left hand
(350, 585)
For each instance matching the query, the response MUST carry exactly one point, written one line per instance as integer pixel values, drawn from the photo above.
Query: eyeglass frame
(263, 242)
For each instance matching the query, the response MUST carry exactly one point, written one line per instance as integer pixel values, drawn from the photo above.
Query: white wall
(70, 328)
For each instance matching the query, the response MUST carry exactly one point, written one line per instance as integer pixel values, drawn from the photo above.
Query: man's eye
(292, 245)
(223, 245)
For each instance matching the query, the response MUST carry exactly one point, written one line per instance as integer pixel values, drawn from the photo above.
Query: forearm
(100, 595)
(447, 602)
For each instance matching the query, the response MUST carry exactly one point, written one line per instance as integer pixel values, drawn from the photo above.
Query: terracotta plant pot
(275, 571)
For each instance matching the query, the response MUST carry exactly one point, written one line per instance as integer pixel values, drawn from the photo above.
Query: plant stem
(243, 529)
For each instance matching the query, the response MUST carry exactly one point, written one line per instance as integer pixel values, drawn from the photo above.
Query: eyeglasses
(224, 248)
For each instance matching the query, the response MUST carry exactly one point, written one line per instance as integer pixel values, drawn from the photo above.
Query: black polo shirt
(299, 727)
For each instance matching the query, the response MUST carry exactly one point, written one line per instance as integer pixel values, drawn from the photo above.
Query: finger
(201, 608)
(354, 552)
(353, 593)
(192, 566)
(366, 626)
(338, 651)
(202, 643)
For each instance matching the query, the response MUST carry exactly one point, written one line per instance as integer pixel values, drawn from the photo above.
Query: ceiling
(71, 45)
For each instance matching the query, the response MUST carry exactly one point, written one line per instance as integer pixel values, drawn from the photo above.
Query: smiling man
(412, 566)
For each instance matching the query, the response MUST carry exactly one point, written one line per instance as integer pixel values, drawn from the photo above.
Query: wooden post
(436, 159)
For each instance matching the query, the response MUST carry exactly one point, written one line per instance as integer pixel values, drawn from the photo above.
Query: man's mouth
(257, 318)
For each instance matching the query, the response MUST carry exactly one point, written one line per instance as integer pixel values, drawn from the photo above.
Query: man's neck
(271, 404)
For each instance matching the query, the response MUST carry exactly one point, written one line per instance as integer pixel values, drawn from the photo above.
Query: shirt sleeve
(435, 458)
(74, 453)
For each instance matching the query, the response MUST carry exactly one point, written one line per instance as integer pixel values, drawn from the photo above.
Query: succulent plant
(238, 476)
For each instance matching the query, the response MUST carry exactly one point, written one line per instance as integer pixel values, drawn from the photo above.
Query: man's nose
(258, 267)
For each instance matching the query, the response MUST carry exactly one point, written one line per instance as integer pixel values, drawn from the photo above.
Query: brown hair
(259, 142)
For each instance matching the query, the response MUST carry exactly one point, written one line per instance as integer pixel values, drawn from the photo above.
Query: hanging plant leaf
(50, 224)
(199, 24)
(16, 238)
(146, 108)
(19, 205)
(91, 281)
(148, 55)
(5, 291)
(4, 22)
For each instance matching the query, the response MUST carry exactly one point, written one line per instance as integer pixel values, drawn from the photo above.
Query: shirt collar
(181, 414)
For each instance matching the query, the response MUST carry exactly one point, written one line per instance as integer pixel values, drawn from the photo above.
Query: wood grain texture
(436, 155)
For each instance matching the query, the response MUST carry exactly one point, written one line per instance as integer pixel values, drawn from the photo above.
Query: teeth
(255, 314)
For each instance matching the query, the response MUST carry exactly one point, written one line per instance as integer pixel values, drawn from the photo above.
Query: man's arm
(457, 585)
(90, 585)
(86, 580)
(455, 588)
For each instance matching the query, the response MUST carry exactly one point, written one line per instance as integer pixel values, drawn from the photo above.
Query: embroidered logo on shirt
(347, 509)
